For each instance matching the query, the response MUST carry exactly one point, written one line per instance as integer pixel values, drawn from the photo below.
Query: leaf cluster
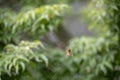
(15, 59)
(31, 23)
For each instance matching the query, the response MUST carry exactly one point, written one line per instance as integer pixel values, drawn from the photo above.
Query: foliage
(96, 56)
(93, 58)
(102, 15)
(14, 59)
(32, 23)
(29, 24)
(43, 2)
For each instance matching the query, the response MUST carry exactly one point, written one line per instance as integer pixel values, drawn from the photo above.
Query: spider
(68, 52)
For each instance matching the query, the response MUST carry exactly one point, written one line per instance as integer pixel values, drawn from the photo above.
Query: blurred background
(72, 26)
(59, 40)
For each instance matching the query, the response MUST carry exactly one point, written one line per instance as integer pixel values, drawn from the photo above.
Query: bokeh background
(36, 35)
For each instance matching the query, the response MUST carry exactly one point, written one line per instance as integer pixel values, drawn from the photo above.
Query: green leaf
(107, 64)
(10, 67)
(44, 58)
(17, 69)
(103, 69)
(22, 65)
